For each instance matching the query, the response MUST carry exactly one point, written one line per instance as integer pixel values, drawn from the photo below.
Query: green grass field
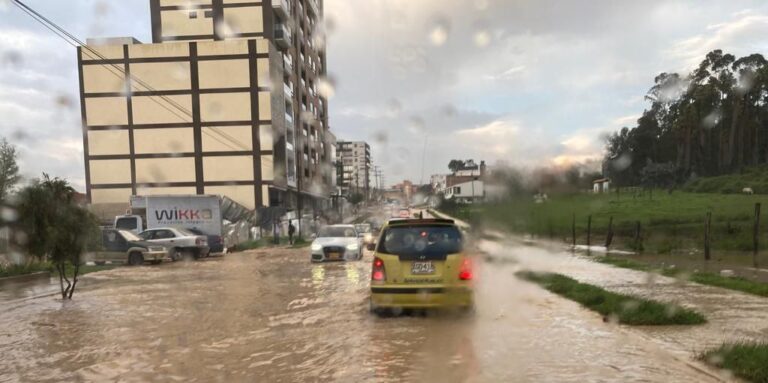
(627, 309)
(668, 221)
(747, 360)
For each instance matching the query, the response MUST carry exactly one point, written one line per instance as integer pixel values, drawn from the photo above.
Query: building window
(208, 14)
(192, 15)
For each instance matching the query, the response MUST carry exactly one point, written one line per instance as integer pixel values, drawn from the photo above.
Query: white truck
(200, 214)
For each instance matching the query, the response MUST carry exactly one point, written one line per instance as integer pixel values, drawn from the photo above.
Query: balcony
(282, 36)
(287, 63)
(312, 7)
(288, 89)
(288, 120)
(282, 8)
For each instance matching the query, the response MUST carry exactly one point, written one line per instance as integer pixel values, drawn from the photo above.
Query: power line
(69, 38)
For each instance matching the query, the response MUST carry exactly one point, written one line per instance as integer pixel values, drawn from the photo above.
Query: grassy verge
(16, 270)
(669, 222)
(747, 360)
(628, 309)
(704, 278)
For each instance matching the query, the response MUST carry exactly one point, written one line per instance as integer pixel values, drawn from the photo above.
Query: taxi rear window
(421, 241)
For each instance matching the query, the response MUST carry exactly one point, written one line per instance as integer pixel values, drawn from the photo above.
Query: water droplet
(380, 137)
(482, 38)
(326, 86)
(481, 5)
(12, 59)
(712, 119)
(225, 29)
(394, 108)
(622, 162)
(9, 214)
(438, 35)
(101, 8)
(65, 101)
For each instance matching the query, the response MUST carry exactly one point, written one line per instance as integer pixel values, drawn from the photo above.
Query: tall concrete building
(355, 163)
(224, 101)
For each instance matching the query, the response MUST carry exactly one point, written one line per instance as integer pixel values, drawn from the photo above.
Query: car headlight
(317, 247)
(352, 247)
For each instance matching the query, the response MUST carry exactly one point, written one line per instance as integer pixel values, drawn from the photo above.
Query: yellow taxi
(420, 263)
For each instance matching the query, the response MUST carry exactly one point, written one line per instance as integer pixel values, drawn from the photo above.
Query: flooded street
(271, 316)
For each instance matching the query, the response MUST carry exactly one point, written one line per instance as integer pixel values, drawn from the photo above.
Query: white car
(180, 242)
(337, 243)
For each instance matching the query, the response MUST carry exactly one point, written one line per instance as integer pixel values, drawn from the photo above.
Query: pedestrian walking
(291, 231)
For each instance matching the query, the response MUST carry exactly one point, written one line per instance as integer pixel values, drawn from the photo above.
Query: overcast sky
(525, 82)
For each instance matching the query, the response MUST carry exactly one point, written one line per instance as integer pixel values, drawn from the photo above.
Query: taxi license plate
(334, 255)
(422, 268)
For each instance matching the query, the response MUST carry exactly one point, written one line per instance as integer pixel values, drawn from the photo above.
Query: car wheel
(376, 310)
(135, 259)
(187, 255)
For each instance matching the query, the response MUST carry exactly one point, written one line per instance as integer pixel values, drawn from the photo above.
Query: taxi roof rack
(410, 221)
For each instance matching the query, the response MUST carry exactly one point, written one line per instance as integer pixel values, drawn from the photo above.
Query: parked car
(181, 242)
(215, 242)
(124, 246)
(420, 263)
(337, 243)
(365, 231)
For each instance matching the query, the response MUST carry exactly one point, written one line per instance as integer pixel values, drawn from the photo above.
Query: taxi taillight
(378, 273)
(465, 271)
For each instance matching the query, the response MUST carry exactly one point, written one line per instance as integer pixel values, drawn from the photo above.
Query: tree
(712, 121)
(55, 228)
(9, 169)
(455, 165)
(658, 175)
(356, 198)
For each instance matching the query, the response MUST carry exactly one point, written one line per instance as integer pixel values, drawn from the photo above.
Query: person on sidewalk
(291, 231)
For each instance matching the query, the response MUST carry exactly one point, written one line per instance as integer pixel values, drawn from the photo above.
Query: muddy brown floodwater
(271, 316)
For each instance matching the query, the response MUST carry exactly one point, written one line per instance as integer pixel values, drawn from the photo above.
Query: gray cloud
(521, 81)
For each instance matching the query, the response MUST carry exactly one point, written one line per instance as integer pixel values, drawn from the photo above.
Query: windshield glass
(127, 223)
(421, 240)
(336, 232)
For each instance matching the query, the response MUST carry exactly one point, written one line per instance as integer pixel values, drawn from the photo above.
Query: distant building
(224, 101)
(355, 166)
(469, 172)
(602, 185)
(466, 192)
(438, 181)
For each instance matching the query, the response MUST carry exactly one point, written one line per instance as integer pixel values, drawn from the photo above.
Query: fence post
(756, 235)
(589, 231)
(707, 235)
(573, 230)
(609, 237)
(638, 238)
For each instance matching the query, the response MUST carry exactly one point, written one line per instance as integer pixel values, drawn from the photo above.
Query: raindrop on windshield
(438, 35)
(326, 86)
